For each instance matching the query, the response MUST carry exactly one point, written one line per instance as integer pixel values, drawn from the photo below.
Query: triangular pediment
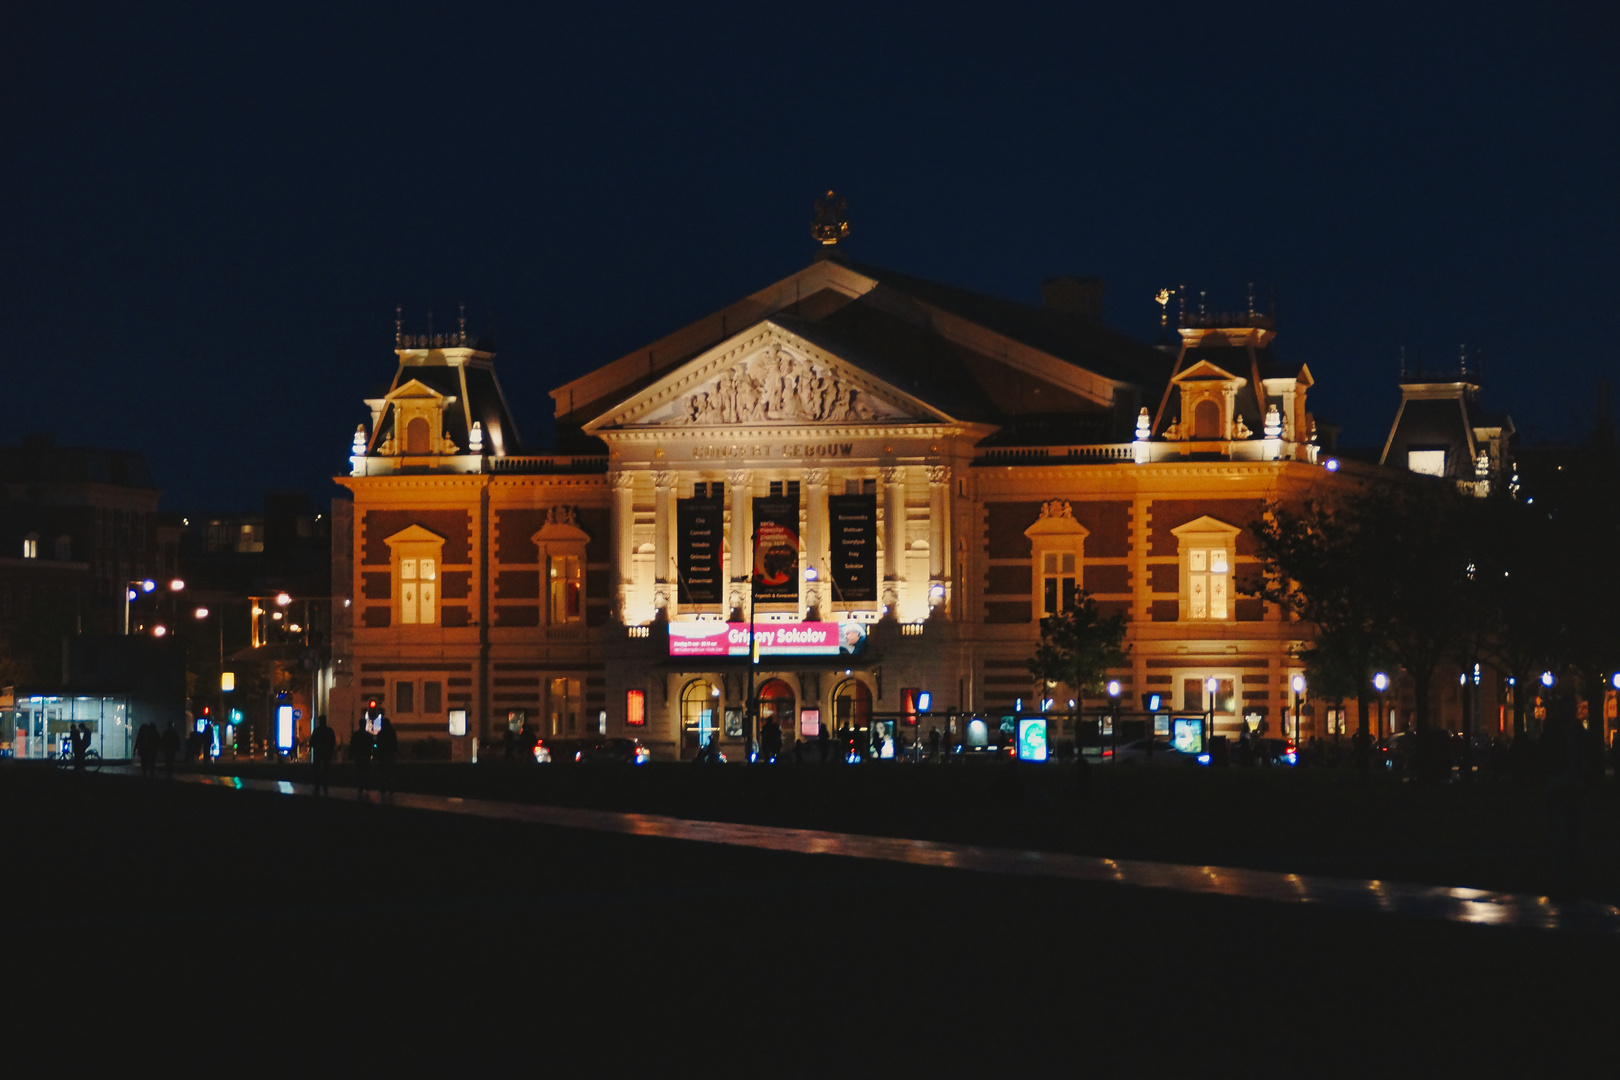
(1204, 371)
(413, 534)
(415, 389)
(767, 375)
(1205, 526)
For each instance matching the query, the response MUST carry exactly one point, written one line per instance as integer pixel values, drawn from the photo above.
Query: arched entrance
(700, 715)
(778, 702)
(852, 709)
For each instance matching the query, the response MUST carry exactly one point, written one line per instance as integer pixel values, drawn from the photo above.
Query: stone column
(815, 536)
(663, 485)
(624, 523)
(894, 534)
(939, 532)
(741, 548)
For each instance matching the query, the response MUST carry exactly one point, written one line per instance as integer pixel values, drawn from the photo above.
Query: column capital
(737, 478)
(893, 474)
(624, 481)
(939, 474)
(815, 477)
(664, 478)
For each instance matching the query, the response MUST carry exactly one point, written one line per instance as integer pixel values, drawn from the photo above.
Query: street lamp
(1210, 686)
(1299, 688)
(1113, 710)
(1380, 683)
(134, 588)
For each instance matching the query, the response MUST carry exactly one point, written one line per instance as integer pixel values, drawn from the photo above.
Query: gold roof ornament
(1164, 305)
(829, 225)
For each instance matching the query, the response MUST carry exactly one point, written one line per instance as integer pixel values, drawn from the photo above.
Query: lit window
(567, 589)
(1208, 583)
(31, 546)
(1206, 553)
(566, 700)
(418, 590)
(1060, 582)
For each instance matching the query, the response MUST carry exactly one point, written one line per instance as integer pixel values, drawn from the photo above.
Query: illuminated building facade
(891, 479)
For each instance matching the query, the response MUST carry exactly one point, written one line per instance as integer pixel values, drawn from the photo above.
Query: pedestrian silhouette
(823, 744)
(361, 745)
(146, 748)
(387, 747)
(171, 749)
(322, 748)
(79, 744)
(933, 743)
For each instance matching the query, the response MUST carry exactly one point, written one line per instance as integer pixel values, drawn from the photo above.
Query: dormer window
(418, 436)
(31, 546)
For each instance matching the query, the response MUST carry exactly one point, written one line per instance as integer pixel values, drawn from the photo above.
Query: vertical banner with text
(853, 521)
(776, 550)
(700, 525)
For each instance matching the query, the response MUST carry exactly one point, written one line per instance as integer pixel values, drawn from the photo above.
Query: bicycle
(92, 760)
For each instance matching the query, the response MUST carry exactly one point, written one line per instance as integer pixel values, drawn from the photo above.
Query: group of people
(148, 744)
(365, 749)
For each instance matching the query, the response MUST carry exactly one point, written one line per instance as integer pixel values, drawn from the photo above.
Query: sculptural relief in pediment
(778, 384)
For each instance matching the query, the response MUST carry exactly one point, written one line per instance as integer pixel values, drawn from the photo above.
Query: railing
(911, 629)
(1057, 455)
(638, 631)
(555, 463)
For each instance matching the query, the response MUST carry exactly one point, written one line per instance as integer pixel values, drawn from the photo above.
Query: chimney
(1074, 296)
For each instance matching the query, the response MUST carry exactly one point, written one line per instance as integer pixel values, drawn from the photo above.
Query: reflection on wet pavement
(1422, 901)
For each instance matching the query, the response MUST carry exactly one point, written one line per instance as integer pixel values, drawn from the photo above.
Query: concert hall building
(891, 480)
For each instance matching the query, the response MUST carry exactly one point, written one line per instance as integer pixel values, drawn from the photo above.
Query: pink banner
(774, 639)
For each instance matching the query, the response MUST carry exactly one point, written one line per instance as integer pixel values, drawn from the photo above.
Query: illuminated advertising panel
(853, 521)
(635, 708)
(699, 524)
(776, 550)
(809, 723)
(1032, 738)
(458, 722)
(1187, 734)
(284, 728)
(708, 638)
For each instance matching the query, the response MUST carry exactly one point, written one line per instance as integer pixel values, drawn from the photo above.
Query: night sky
(211, 211)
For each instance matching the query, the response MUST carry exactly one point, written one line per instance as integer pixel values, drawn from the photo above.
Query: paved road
(289, 923)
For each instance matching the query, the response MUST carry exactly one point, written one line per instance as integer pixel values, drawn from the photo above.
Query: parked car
(626, 751)
(542, 753)
(1137, 750)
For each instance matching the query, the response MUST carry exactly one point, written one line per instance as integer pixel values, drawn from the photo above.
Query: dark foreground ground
(198, 927)
(1493, 834)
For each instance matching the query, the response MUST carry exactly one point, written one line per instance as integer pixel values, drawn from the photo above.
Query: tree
(1079, 646)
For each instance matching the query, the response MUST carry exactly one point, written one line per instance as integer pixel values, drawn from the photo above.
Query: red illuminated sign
(635, 707)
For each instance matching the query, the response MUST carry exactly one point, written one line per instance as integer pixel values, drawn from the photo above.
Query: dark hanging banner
(700, 527)
(853, 521)
(776, 550)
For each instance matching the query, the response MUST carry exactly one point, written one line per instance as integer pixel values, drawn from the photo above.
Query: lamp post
(1380, 683)
(1299, 688)
(1113, 713)
(1210, 686)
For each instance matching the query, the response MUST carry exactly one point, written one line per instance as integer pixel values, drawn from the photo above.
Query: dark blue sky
(210, 211)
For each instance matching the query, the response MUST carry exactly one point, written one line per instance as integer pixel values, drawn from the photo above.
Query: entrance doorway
(700, 715)
(777, 702)
(852, 709)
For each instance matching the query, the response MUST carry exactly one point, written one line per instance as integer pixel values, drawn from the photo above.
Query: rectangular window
(1427, 462)
(567, 589)
(566, 701)
(1060, 582)
(1192, 695)
(418, 591)
(1208, 583)
(432, 697)
(404, 698)
(31, 548)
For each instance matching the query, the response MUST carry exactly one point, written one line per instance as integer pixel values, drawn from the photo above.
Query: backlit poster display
(1032, 738)
(776, 550)
(853, 523)
(700, 526)
(1187, 734)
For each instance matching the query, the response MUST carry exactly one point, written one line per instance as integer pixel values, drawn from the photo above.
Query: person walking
(146, 740)
(823, 743)
(361, 746)
(322, 748)
(78, 744)
(933, 743)
(387, 748)
(171, 750)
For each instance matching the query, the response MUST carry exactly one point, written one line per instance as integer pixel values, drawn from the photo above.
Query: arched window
(700, 715)
(776, 702)
(852, 705)
(418, 439)
(1207, 420)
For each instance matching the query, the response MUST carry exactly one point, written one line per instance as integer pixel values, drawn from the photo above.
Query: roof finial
(399, 325)
(829, 225)
(1403, 361)
(1251, 301)
(463, 324)
(1462, 359)
(1181, 306)
(1202, 311)
(1164, 306)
